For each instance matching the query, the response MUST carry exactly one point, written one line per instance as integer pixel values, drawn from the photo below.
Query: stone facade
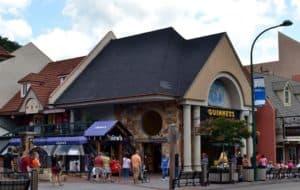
(130, 116)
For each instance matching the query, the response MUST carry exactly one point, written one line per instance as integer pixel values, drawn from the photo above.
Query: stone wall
(131, 117)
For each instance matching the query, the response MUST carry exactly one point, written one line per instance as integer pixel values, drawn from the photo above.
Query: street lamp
(284, 23)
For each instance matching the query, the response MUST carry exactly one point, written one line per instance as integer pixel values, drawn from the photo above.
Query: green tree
(224, 131)
(8, 45)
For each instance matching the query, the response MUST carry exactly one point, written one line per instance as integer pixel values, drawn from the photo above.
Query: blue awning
(52, 141)
(100, 128)
(14, 142)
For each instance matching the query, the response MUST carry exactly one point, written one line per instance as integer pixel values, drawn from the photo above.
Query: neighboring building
(151, 80)
(29, 106)
(278, 120)
(4, 54)
(24, 60)
(288, 64)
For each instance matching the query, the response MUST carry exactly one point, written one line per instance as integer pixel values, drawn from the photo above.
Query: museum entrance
(152, 156)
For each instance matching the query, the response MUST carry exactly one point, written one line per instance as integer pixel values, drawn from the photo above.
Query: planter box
(221, 177)
(248, 174)
(261, 174)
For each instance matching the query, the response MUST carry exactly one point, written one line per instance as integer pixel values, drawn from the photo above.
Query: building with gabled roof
(278, 120)
(151, 80)
(30, 104)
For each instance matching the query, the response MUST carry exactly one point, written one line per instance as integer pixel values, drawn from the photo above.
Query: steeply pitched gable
(154, 63)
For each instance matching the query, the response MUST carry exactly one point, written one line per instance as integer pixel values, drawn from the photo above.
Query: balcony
(64, 129)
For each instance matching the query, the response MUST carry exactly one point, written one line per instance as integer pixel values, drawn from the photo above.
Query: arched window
(287, 95)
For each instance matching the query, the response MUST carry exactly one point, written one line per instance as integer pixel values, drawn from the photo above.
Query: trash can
(261, 174)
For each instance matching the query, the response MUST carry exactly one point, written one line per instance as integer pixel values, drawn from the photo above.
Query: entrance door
(152, 156)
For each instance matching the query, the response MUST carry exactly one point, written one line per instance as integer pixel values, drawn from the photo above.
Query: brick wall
(265, 121)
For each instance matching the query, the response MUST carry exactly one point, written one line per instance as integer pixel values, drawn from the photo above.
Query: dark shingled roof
(157, 62)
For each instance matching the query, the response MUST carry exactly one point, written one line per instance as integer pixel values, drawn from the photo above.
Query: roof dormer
(24, 89)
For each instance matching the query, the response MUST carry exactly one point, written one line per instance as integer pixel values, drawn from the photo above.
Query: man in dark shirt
(8, 160)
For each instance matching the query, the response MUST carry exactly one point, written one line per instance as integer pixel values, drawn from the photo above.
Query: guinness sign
(212, 112)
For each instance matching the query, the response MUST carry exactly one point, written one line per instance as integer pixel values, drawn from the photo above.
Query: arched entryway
(152, 124)
(225, 100)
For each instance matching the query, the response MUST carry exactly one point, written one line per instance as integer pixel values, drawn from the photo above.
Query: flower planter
(248, 174)
(222, 176)
(261, 174)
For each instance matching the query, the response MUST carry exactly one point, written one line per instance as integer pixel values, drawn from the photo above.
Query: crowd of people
(20, 162)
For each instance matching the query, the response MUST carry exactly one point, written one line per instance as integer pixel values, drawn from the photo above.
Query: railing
(14, 181)
(63, 129)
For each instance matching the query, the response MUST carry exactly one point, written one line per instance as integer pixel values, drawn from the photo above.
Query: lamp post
(284, 23)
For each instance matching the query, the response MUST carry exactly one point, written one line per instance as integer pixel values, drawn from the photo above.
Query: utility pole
(172, 142)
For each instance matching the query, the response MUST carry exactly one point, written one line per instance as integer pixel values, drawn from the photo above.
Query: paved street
(156, 183)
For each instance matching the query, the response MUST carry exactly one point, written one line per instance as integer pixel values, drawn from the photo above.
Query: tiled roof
(4, 53)
(274, 84)
(43, 83)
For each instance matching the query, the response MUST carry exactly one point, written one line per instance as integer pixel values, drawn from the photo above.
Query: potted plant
(226, 132)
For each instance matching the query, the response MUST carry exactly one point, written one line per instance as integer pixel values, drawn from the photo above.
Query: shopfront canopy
(99, 128)
(74, 140)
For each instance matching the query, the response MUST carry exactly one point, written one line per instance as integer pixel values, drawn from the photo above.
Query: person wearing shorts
(136, 165)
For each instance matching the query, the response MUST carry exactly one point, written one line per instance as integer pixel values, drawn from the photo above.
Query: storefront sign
(259, 91)
(211, 112)
(115, 138)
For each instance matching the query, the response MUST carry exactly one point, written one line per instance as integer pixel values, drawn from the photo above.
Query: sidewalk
(76, 183)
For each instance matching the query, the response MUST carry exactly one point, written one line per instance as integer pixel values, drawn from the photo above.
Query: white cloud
(13, 6)
(15, 29)
(59, 44)
(12, 24)
(192, 18)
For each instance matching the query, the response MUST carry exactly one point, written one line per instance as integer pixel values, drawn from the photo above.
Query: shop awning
(52, 141)
(60, 140)
(70, 150)
(100, 128)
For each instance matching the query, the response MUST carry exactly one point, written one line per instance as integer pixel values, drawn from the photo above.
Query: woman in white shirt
(126, 167)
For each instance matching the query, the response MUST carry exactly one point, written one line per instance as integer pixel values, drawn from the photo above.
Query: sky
(70, 28)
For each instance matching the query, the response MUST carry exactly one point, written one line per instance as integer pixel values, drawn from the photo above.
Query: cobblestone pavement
(157, 184)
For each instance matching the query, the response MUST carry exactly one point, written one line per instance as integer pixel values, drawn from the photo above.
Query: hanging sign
(259, 91)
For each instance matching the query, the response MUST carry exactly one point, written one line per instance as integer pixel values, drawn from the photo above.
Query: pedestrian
(8, 161)
(164, 166)
(136, 166)
(263, 161)
(204, 160)
(290, 164)
(126, 162)
(90, 165)
(246, 162)
(98, 166)
(25, 163)
(56, 171)
(106, 167)
(35, 161)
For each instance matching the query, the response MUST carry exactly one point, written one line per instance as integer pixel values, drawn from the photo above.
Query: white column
(196, 140)
(187, 137)
(250, 140)
(72, 116)
(244, 148)
(72, 120)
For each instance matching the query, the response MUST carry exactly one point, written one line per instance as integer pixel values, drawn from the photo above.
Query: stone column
(196, 140)
(244, 148)
(250, 140)
(187, 137)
